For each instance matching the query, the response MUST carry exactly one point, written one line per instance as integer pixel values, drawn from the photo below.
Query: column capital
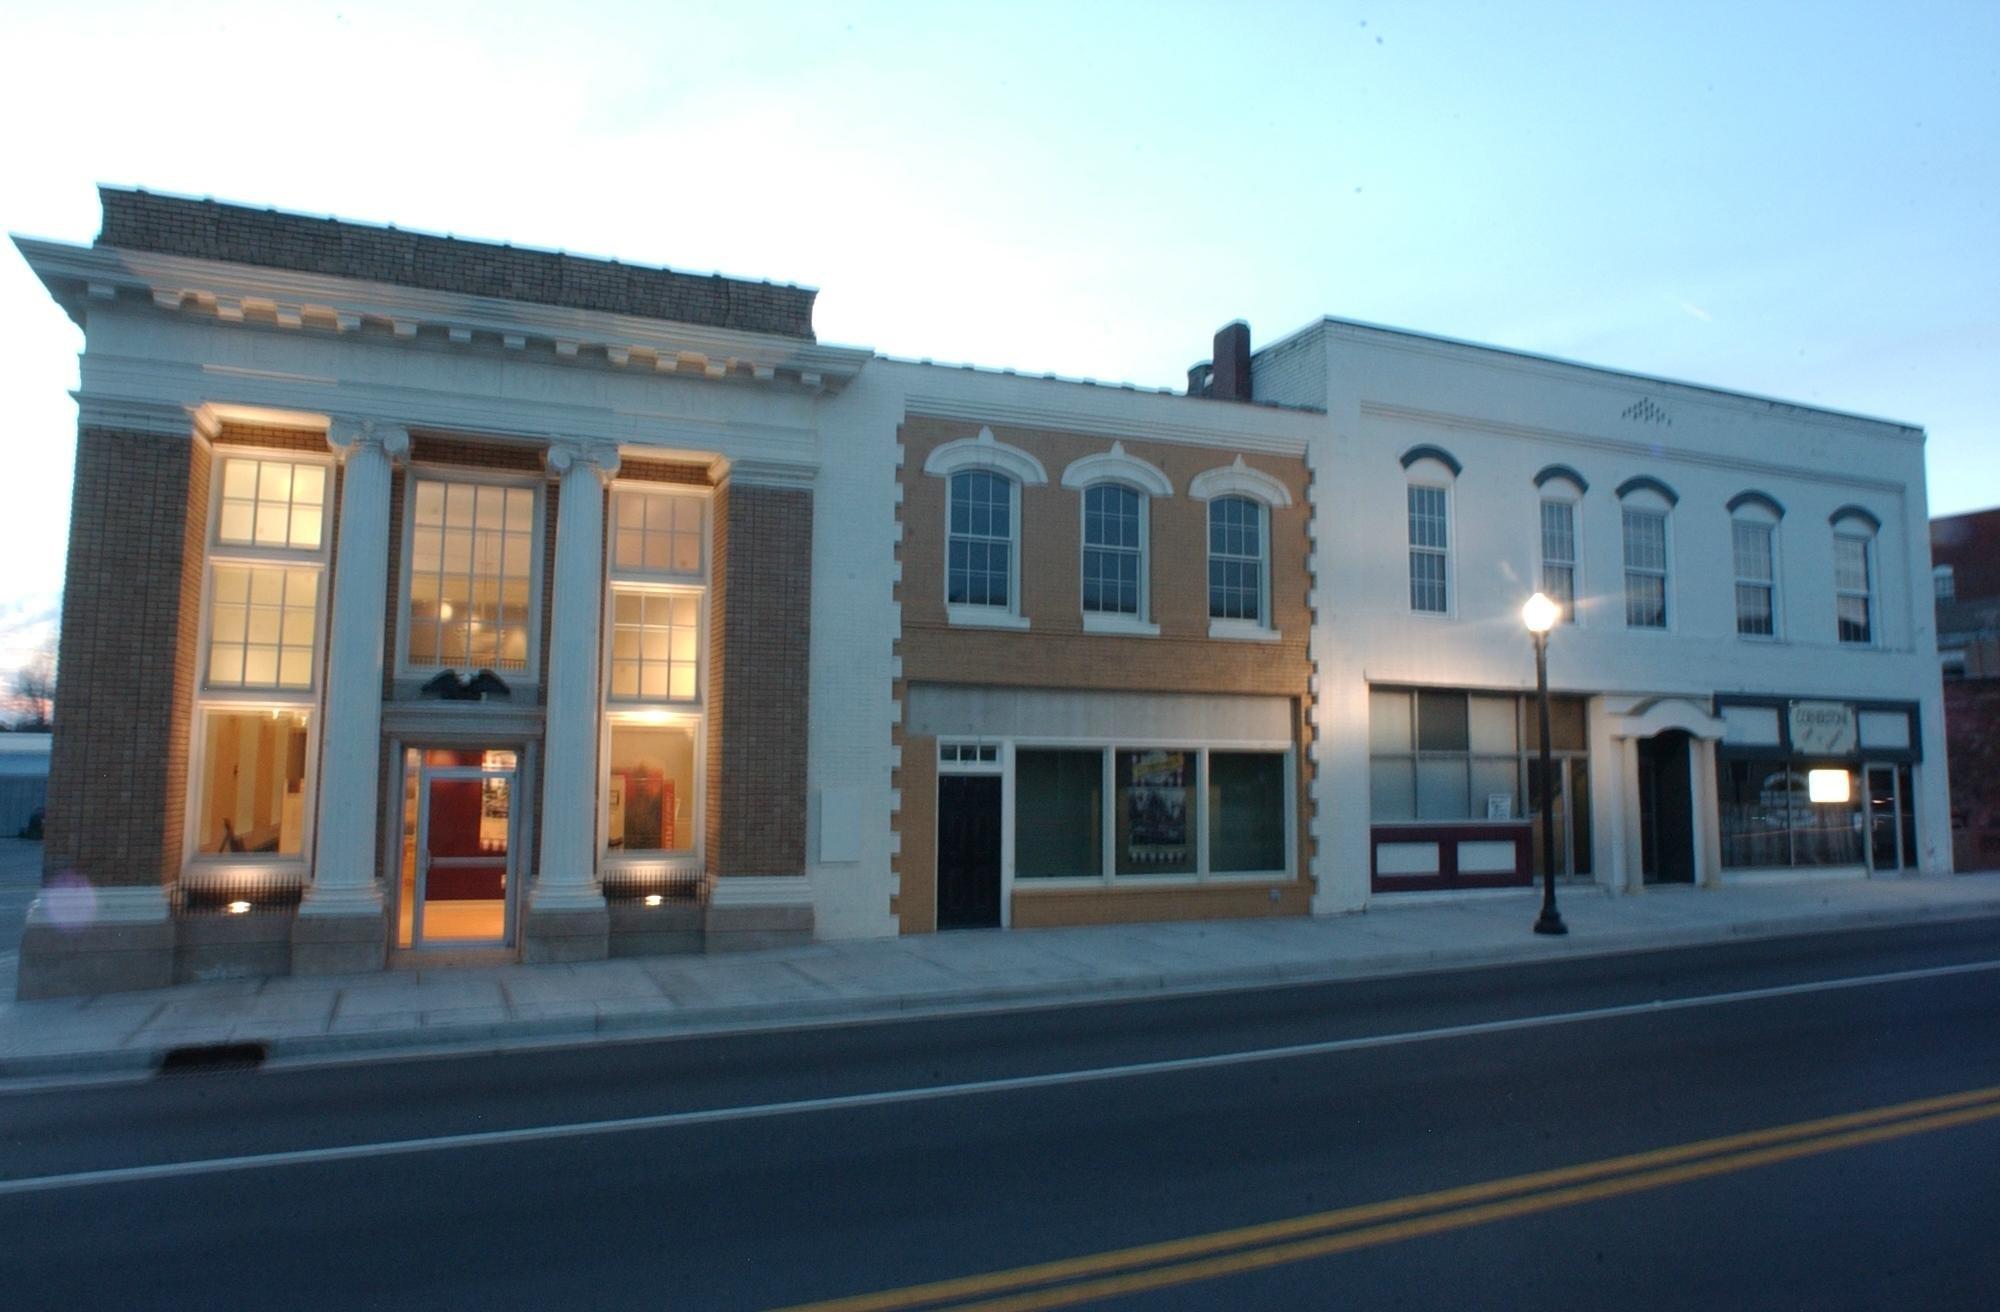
(567, 453)
(347, 434)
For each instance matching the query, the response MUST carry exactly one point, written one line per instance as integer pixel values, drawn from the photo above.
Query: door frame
(1002, 767)
(520, 831)
(1900, 813)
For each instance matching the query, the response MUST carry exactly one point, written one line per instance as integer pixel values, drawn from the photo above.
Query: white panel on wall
(1406, 859)
(1889, 730)
(839, 825)
(1750, 726)
(1486, 857)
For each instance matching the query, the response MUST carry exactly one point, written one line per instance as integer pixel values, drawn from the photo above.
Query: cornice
(1130, 427)
(1646, 451)
(81, 278)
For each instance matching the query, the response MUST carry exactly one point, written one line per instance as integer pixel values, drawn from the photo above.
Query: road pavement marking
(926, 1093)
(1324, 1234)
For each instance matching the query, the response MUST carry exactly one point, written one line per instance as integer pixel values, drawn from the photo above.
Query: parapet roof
(240, 234)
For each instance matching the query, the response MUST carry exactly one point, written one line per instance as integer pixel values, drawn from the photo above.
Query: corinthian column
(343, 886)
(566, 918)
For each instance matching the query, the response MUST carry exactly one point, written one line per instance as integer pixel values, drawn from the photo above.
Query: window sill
(1130, 626)
(985, 617)
(1242, 631)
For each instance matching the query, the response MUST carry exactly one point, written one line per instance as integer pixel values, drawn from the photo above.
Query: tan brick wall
(1055, 652)
(760, 644)
(131, 623)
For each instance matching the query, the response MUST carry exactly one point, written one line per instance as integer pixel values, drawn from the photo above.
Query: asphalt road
(780, 1168)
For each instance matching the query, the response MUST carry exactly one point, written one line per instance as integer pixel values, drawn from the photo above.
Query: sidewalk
(489, 1008)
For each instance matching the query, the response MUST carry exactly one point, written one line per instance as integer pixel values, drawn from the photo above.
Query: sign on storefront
(1823, 729)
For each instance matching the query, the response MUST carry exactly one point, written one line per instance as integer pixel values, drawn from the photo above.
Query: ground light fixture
(238, 907)
(1540, 615)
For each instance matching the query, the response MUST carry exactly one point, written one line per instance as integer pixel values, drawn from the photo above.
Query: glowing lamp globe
(1540, 614)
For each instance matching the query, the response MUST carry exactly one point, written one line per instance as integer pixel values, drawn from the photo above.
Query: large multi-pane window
(472, 548)
(264, 597)
(1559, 555)
(1768, 816)
(1430, 547)
(1236, 560)
(979, 561)
(1114, 552)
(1645, 568)
(1182, 812)
(1854, 587)
(1756, 578)
(655, 628)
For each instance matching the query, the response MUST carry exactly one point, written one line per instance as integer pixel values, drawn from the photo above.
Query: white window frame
(1648, 503)
(1869, 594)
(985, 614)
(1260, 629)
(620, 866)
(198, 867)
(1944, 585)
(1770, 526)
(537, 549)
(1572, 613)
(1107, 749)
(1444, 490)
(1098, 621)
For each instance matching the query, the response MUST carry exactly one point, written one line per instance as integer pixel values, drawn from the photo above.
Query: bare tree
(35, 690)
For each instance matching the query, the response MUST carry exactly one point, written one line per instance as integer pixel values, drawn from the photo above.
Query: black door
(1666, 810)
(968, 852)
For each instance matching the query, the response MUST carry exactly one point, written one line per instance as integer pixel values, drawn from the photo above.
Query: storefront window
(1769, 819)
(1246, 811)
(649, 789)
(1058, 815)
(252, 785)
(1155, 820)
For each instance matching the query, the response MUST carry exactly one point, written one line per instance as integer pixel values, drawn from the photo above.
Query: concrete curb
(668, 1021)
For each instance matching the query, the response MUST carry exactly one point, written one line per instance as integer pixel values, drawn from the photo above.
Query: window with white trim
(1944, 585)
(657, 646)
(1237, 560)
(1854, 586)
(263, 622)
(979, 562)
(1430, 548)
(472, 559)
(1645, 532)
(1114, 550)
(1559, 554)
(1754, 547)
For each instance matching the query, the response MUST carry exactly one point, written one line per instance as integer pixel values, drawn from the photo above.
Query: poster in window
(1156, 808)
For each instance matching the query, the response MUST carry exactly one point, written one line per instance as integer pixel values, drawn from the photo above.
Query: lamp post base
(1550, 922)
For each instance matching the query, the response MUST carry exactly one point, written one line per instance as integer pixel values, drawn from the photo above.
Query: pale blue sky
(1798, 200)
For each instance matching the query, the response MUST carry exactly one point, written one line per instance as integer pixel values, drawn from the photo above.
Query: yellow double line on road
(1275, 1243)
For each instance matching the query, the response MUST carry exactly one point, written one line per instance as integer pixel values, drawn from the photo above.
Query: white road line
(891, 1097)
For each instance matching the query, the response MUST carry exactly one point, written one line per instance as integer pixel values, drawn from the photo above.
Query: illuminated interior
(253, 769)
(465, 822)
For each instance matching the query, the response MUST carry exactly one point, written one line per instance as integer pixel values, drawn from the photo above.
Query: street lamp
(1540, 615)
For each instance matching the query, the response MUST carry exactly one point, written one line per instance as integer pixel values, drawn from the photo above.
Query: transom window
(980, 553)
(1113, 549)
(655, 644)
(471, 568)
(261, 624)
(1559, 555)
(1429, 550)
(1854, 585)
(658, 533)
(1756, 579)
(1236, 559)
(1645, 568)
(271, 503)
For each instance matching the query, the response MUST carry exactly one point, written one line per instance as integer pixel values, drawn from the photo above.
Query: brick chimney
(1229, 378)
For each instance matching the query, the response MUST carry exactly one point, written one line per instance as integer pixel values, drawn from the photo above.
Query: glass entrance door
(1892, 825)
(458, 849)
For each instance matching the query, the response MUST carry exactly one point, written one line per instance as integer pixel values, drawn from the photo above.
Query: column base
(331, 941)
(561, 931)
(82, 939)
(747, 912)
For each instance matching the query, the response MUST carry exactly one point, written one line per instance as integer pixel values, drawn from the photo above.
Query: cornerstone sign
(1823, 728)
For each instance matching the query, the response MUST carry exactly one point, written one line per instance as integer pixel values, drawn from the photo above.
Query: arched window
(1114, 551)
(1432, 471)
(1645, 505)
(1753, 527)
(980, 556)
(1562, 494)
(1854, 531)
(1238, 561)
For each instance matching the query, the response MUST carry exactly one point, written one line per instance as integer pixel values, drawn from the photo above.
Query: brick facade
(1056, 652)
(131, 624)
(760, 643)
(239, 234)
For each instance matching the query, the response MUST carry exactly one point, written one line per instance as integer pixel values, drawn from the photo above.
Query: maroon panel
(1448, 837)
